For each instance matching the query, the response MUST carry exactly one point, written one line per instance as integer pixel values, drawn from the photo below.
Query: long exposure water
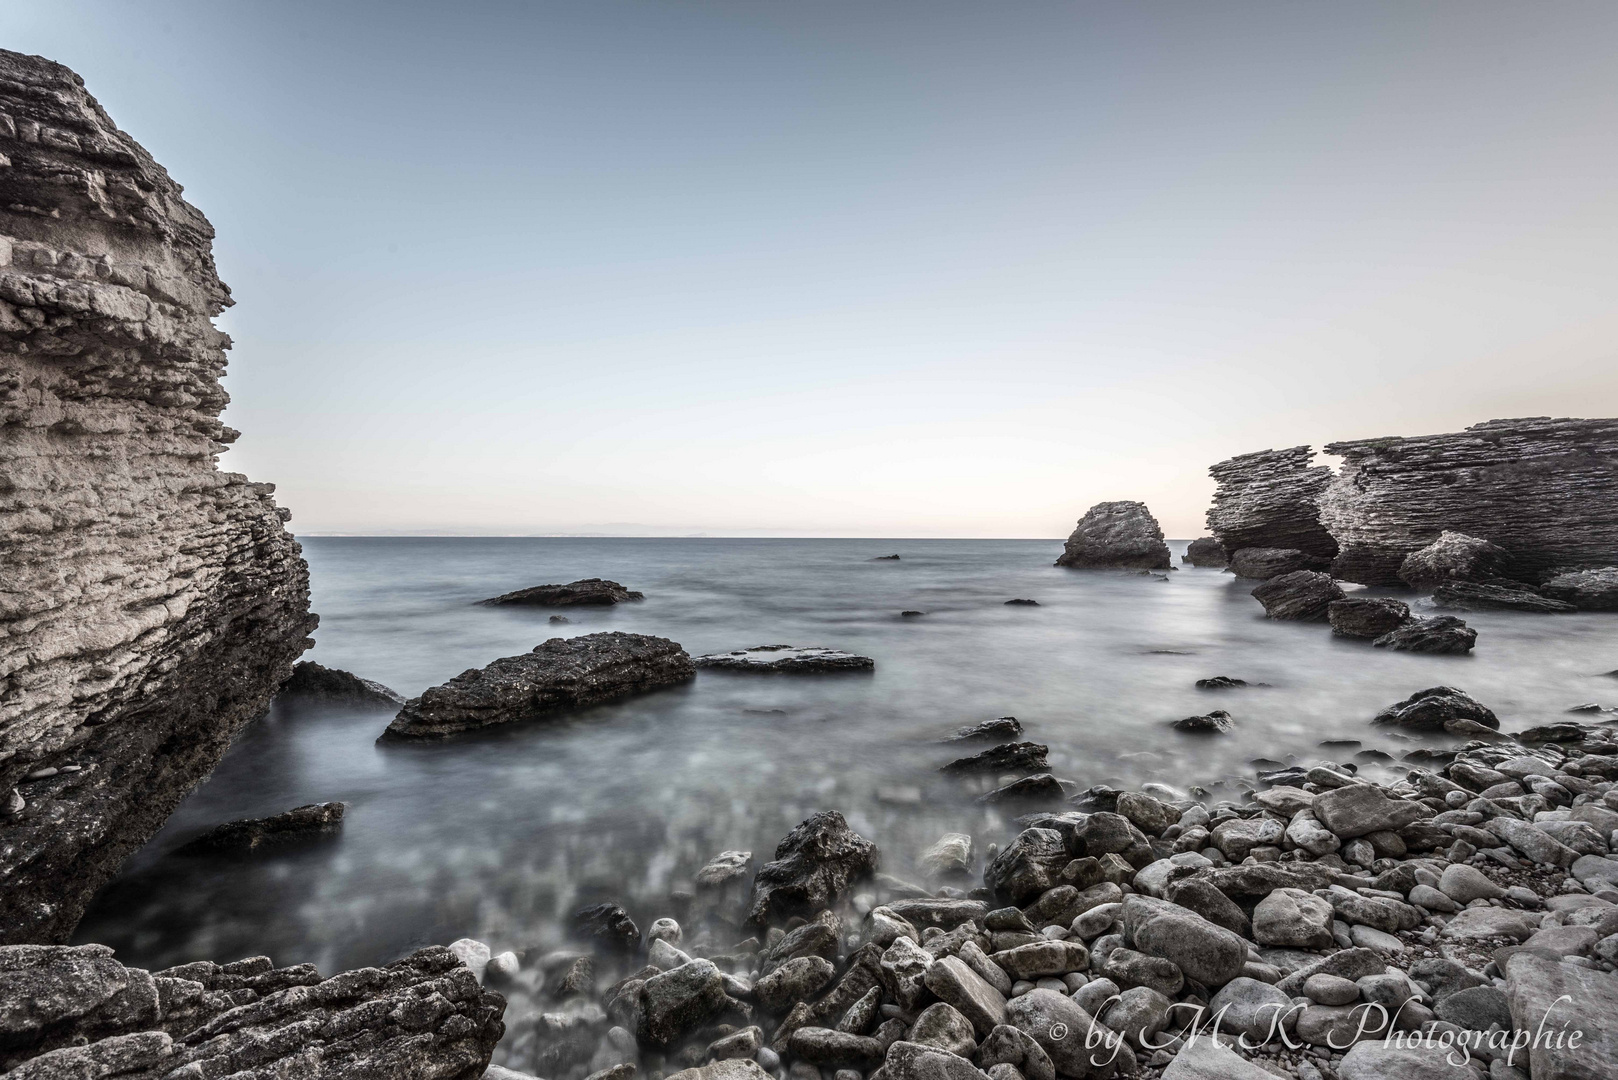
(500, 835)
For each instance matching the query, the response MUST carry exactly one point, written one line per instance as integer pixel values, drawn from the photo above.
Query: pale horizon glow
(838, 269)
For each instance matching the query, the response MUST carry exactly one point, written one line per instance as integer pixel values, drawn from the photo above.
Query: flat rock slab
(1549, 996)
(586, 592)
(786, 660)
(563, 673)
(250, 834)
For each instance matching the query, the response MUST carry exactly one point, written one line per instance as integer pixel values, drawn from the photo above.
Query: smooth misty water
(500, 835)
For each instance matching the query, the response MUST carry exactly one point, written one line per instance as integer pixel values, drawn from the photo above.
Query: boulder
(314, 684)
(1039, 788)
(1431, 709)
(941, 1025)
(587, 592)
(1027, 866)
(1360, 809)
(561, 674)
(1061, 1028)
(786, 660)
(1367, 616)
(1587, 590)
(798, 979)
(916, 1061)
(950, 854)
(1442, 634)
(814, 865)
(1000, 728)
(675, 1003)
(1024, 757)
(290, 826)
(1207, 953)
(953, 982)
(1303, 595)
(1496, 596)
(1116, 535)
(1255, 1009)
(1217, 722)
(1206, 551)
(1563, 998)
(1453, 556)
(1206, 1058)
(1391, 1059)
(1293, 918)
(1262, 564)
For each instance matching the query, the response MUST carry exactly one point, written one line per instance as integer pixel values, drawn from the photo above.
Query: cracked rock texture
(1271, 499)
(81, 1014)
(1545, 490)
(151, 603)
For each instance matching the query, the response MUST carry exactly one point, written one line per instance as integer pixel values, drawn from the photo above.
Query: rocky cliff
(150, 603)
(1545, 490)
(1271, 499)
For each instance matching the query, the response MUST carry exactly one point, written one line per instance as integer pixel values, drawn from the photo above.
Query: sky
(865, 269)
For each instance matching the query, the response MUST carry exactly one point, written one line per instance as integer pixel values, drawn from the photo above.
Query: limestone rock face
(1117, 534)
(1304, 595)
(1545, 490)
(1587, 590)
(1262, 563)
(1270, 499)
(1453, 557)
(151, 604)
(89, 1016)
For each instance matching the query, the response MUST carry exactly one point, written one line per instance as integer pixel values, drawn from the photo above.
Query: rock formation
(1117, 534)
(316, 684)
(560, 674)
(1443, 634)
(786, 659)
(1453, 556)
(1587, 590)
(290, 826)
(151, 603)
(1496, 596)
(1264, 563)
(1545, 490)
(1304, 595)
(1270, 499)
(1206, 551)
(586, 592)
(1367, 616)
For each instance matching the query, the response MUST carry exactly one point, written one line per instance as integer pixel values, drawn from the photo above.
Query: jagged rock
(676, 1002)
(952, 854)
(1496, 596)
(1262, 564)
(1206, 551)
(786, 659)
(1543, 489)
(1041, 787)
(586, 592)
(82, 1014)
(1220, 682)
(1001, 727)
(1217, 722)
(314, 683)
(1270, 499)
(1444, 634)
(1587, 590)
(607, 923)
(1304, 595)
(563, 673)
(1367, 616)
(814, 866)
(1009, 757)
(151, 603)
(1432, 708)
(250, 834)
(1028, 865)
(1117, 534)
(1453, 557)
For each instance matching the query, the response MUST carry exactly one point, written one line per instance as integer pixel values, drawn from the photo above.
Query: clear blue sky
(866, 268)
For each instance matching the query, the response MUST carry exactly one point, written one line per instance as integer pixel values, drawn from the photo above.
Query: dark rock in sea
(313, 683)
(1001, 727)
(1042, 788)
(587, 592)
(250, 834)
(1117, 535)
(1497, 595)
(1270, 499)
(1220, 682)
(1022, 603)
(1262, 564)
(1303, 595)
(558, 620)
(814, 865)
(1215, 723)
(151, 603)
(1367, 616)
(1431, 709)
(561, 674)
(1009, 757)
(609, 924)
(786, 659)
(80, 1015)
(1543, 489)
(911, 614)
(1587, 590)
(886, 558)
(1453, 556)
(1206, 551)
(1444, 634)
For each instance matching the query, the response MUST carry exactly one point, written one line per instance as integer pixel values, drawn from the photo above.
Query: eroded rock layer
(150, 603)
(1545, 490)
(1270, 499)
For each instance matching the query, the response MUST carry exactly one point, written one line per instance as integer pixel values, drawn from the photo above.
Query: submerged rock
(152, 603)
(1220, 682)
(814, 865)
(1270, 499)
(1453, 557)
(1587, 590)
(1431, 709)
(316, 684)
(1215, 723)
(1117, 534)
(1261, 564)
(1498, 595)
(1022, 602)
(1001, 727)
(786, 659)
(250, 834)
(1367, 616)
(1010, 757)
(1304, 595)
(1440, 634)
(586, 592)
(562, 673)
(1206, 551)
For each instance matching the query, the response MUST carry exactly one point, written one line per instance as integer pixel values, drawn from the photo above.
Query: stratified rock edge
(152, 603)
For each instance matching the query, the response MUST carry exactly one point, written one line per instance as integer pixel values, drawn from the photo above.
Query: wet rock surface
(1121, 535)
(1270, 499)
(560, 674)
(1496, 596)
(315, 684)
(1367, 616)
(1453, 557)
(1433, 708)
(1444, 634)
(786, 659)
(1587, 590)
(1303, 595)
(250, 834)
(152, 603)
(1206, 551)
(586, 592)
(1261, 564)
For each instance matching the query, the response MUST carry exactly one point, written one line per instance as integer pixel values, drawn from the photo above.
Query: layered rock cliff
(1271, 499)
(150, 603)
(1545, 490)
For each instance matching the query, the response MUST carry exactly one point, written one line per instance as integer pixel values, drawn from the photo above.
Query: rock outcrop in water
(79, 1014)
(1121, 535)
(586, 592)
(1271, 499)
(1545, 490)
(1303, 595)
(1587, 590)
(290, 826)
(1453, 557)
(560, 674)
(1262, 564)
(151, 603)
(316, 684)
(786, 660)
(1206, 551)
